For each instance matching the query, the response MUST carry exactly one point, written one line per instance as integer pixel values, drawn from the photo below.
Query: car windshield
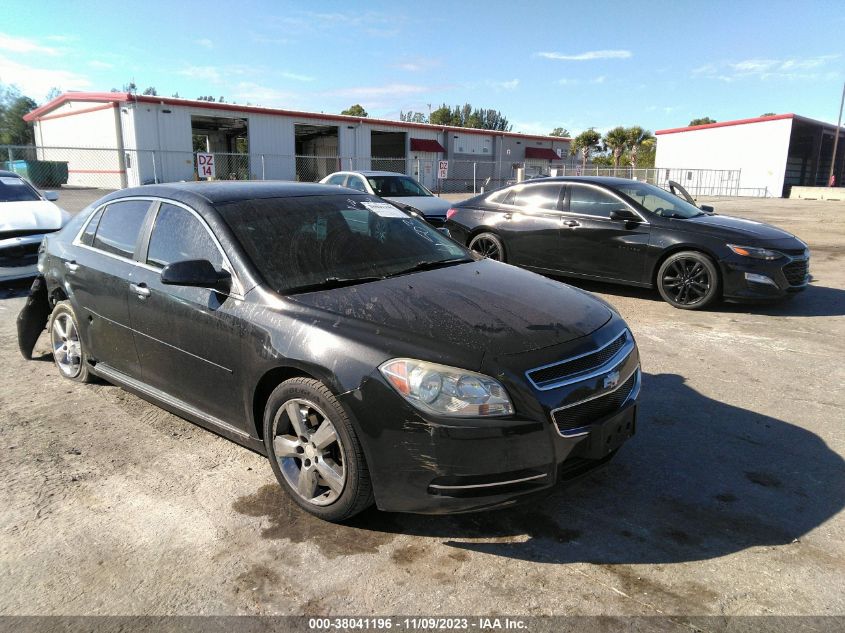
(397, 187)
(658, 201)
(307, 243)
(14, 189)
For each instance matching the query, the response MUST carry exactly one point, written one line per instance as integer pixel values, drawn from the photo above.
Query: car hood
(428, 205)
(478, 307)
(737, 226)
(30, 215)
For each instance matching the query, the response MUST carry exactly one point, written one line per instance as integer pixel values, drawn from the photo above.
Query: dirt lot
(728, 501)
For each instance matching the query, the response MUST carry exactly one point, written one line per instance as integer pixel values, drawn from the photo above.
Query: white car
(398, 188)
(26, 215)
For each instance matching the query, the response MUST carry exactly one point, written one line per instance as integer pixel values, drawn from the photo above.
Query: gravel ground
(728, 501)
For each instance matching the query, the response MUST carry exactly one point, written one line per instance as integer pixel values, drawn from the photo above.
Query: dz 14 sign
(443, 169)
(205, 165)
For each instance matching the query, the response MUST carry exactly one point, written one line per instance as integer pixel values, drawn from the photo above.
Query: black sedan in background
(367, 355)
(629, 232)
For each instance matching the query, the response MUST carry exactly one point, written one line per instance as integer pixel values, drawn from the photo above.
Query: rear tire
(314, 450)
(688, 280)
(488, 245)
(68, 351)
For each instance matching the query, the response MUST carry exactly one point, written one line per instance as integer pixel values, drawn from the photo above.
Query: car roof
(608, 181)
(371, 173)
(6, 174)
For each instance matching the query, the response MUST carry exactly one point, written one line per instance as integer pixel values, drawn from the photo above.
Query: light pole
(830, 181)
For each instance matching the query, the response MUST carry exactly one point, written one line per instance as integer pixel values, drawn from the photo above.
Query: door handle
(571, 223)
(140, 289)
(508, 216)
(71, 266)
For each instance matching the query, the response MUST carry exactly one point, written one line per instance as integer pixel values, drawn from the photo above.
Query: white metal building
(773, 153)
(152, 139)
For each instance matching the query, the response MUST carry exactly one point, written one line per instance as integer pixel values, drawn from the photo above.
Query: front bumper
(19, 257)
(436, 465)
(747, 279)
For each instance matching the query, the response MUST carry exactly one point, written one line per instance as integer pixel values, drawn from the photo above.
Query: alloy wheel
(686, 281)
(67, 350)
(310, 452)
(486, 247)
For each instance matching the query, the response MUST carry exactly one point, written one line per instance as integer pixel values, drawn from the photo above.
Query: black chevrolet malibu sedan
(629, 232)
(369, 356)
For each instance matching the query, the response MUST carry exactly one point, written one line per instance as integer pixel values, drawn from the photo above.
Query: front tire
(488, 245)
(314, 450)
(68, 351)
(688, 280)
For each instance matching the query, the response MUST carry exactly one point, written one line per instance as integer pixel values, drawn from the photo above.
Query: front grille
(550, 375)
(592, 410)
(4, 235)
(796, 272)
(794, 252)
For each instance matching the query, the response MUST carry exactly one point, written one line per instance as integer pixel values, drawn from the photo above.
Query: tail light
(451, 212)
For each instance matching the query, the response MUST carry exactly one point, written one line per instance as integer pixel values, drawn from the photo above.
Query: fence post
(263, 175)
(155, 170)
(473, 178)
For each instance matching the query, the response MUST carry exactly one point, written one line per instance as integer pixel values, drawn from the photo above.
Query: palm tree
(616, 140)
(636, 137)
(585, 142)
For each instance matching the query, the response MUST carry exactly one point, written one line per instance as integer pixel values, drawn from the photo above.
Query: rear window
(120, 226)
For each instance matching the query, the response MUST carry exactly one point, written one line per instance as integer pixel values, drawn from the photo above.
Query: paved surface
(729, 500)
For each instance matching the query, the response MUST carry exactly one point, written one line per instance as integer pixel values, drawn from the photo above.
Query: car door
(188, 338)
(528, 220)
(595, 245)
(99, 276)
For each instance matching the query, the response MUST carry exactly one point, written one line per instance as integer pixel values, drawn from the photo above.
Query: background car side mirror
(52, 196)
(193, 272)
(445, 231)
(624, 215)
(707, 208)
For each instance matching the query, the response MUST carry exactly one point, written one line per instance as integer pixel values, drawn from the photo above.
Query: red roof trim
(120, 97)
(759, 119)
(426, 145)
(541, 152)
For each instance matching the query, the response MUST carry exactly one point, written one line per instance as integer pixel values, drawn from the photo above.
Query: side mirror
(445, 231)
(52, 196)
(193, 272)
(624, 215)
(707, 208)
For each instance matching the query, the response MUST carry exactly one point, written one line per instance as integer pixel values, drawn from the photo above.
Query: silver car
(26, 215)
(398, 188)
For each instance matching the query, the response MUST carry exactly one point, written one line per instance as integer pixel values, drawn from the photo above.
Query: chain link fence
(54, 167)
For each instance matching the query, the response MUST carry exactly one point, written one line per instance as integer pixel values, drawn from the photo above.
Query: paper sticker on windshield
(385, 210)
(10, 180)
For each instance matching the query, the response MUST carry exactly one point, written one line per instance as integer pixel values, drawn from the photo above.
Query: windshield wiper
(431, 265)
(331, 282)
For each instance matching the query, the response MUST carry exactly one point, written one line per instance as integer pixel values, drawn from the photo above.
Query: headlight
(446, 390)
(755, 253)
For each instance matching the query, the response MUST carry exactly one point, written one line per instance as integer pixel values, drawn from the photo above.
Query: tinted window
(119, 227)
(87, 237)
(301, 241)
(337, 179)
(592, 201)
(356, 183)
(14, 189)
(397, 186)
(659, 201)
(537, 196)
(179, 235)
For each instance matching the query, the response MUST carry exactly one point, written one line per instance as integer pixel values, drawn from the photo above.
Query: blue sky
(546, 64)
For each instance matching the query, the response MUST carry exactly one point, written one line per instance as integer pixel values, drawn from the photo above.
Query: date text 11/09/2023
(416, 623)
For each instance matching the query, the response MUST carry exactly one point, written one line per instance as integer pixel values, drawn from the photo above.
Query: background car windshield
(658, 201)
(397, 187)
(16, 190)
(304, 241)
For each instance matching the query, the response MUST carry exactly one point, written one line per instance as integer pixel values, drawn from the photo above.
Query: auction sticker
(385, 210)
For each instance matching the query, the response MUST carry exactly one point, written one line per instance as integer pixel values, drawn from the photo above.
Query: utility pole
(830, 181)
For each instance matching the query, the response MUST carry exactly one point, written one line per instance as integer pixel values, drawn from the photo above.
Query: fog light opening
(760, 279)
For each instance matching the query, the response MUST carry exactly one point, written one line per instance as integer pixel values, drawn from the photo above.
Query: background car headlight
(446, 390)
(754, 252)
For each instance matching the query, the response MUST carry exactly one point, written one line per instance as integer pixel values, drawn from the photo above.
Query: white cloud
(568, 82)
(795, 68)
(505, 85)
(23, 45)
(36, 81)
(598, 80)
(297, 77)
(377, 91)
(587, 55)
(257, 94)
(206, 73)
(204, 42)
(100, 65)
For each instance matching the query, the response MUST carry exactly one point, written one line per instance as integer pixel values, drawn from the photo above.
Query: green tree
(413, 117)
(355, 110)
(768, 114)
(636, 137)
(616, 141)
(702, 121)
(13, 106)
(151, 91)
(647, 153)
(467, 116)
(585, 142)
(560, 131)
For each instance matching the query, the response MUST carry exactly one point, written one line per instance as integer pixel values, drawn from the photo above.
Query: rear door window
(87, 236)
(337, 179)
(356, 183)
(538, 197)
(178, 236)
(119, 227)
